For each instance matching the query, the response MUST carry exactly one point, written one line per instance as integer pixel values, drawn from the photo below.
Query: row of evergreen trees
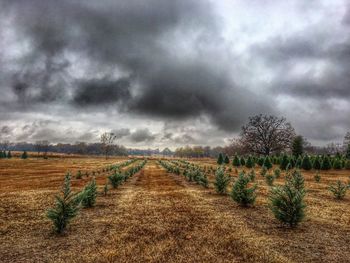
(286, 162)
(8, 155)
(68, 203)
(4, 155)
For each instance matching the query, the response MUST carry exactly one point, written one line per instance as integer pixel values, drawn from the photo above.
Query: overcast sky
(170, 73)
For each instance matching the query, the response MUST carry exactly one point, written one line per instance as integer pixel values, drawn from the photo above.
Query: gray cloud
(91, 63)
(120, 133)
(142, 135)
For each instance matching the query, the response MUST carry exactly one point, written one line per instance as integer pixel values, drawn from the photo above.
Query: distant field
(161, 217)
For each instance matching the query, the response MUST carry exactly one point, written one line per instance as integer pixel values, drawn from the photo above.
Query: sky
(172, 73)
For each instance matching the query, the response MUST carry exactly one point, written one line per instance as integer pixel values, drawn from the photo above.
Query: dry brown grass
(160, 217)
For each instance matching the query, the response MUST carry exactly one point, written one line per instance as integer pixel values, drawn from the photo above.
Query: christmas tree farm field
(159, 212)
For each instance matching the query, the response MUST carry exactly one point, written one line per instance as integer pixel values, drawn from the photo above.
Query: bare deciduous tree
(4, 145)
(346, 140)
(107, 140)
(267, 134)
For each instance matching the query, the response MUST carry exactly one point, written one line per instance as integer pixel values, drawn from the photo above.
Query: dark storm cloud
(102, 91)
(142, 135)
(138, 38)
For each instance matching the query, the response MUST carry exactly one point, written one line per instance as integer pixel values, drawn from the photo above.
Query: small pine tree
(236, 161)
(203, 180)
(220, 159)
(306, 164)
(89, 194)
(338, 189)
(347, 165)
(66, 207)
(24, 155)
(267, 163)
(250, 162)
(277, 173)
(298, 162)
(269, 179)
(9, 155)
(252, 175)
(241, 192)
(326, 163)
(261, 161)
(317, 163)
(263, 171)
(105, 189)
(284, 162)
(287, 203)
(297, 146)
(317, 177)
(243, 161)
(227, 160)
(337, 164)
(296, 179)
(79, 175)
(221, 181)
(116, 179)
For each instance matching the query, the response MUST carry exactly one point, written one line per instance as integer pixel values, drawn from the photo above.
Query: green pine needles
(287, 201)
(221, 181)
(66, 207)
(116, 179)
(338, 189)
(89, 194)
(241, 192)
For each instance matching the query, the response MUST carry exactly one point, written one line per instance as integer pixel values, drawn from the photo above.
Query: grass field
(161, 217)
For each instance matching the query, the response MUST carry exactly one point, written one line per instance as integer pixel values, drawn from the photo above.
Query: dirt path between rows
(162, 219)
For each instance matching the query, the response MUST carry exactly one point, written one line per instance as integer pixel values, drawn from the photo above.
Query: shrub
(236, 161)
(66, 207)
(337, 164)
(317, 163)
(269, 179)
(241, 193)
(79, 175)
(242, 161)
(9, 155)
(105, 189)
(287, 203)
(220, 159)
(298, 162)
(347, 165)
(338, 189)
(263, 171)
(317, 177)
(116, 179)
(296, 179)
(326, 163)
(267, 163)
(277, 173)
(221, 181)
(249, 163)
(261, 161)
(252, 175)
(89, 194)
(227, 160)
(24, 155)
(203, 180)
(284, 162)
(306, 164)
